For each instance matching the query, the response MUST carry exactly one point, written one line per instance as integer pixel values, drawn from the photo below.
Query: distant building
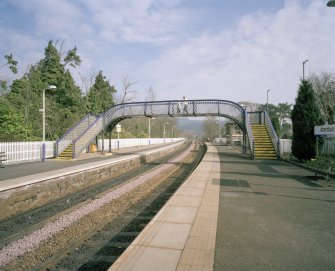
(250, 107)
(234, 134)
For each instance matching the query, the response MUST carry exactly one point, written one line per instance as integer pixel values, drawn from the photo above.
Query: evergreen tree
(63, 106)
(52, 67)
(100, 96)
(305, 115)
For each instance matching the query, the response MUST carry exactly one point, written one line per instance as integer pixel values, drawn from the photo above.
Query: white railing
(131, 142)
(18, 152)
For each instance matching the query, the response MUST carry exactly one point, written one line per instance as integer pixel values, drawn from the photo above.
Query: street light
(43, 109)
(149, 131)
(303, 69)
(164, 128)
(331, 3)
(173, 130)
(267, 101)
(219, 129)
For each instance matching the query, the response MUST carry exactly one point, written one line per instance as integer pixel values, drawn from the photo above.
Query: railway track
(89, 250)
(17, 226)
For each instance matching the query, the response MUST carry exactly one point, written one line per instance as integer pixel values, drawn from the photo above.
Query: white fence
(18, 152)
(285, 146)
(131, 142)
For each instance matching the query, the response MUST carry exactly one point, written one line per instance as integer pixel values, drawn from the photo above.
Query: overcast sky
(233, 50)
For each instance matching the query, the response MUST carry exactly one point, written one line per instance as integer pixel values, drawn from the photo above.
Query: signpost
(118, 130)
(328, 133)
(325, 130)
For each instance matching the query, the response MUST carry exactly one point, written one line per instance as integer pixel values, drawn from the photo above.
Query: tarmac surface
(273, 216)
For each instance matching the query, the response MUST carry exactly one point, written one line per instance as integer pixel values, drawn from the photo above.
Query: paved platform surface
(237, 214)
(182, 235)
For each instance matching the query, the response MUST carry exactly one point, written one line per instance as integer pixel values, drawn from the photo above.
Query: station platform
(233, 213)
(21, 174)
(182, 235)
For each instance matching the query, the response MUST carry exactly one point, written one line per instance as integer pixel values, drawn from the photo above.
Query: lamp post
(43, 109)
(164, 129)
(303, 69)
(219, 129)
(331, 3)
(149, 130)
(267, 100)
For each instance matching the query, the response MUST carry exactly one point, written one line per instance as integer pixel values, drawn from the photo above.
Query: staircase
(263, 146)
(67, 153)
(64, 145)
(82, 142)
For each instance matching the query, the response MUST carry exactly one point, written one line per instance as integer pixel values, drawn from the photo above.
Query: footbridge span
(84, 132)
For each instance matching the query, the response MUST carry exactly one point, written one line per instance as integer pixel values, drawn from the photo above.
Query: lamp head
(52, 87)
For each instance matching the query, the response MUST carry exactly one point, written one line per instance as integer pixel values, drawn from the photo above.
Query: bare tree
(324, 87)
(127, 94)
(87, 81)
(150, 94)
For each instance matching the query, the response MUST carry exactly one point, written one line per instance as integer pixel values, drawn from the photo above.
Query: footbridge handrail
(272, 133)
(73, 132)
(250, 135)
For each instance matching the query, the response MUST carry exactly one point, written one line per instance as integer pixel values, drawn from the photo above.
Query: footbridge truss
(84, 132)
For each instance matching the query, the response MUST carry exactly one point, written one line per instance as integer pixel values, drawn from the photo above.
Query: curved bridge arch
(176, 108)
(86, 130)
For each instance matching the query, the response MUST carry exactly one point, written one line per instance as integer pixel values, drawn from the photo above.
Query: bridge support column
(244, 143)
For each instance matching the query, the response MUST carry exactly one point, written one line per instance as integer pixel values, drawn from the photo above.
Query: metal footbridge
(85, 131)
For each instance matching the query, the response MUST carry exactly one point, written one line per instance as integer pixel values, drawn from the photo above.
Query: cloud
(262, 51)
(132, 21)
(156, 42)
(59, 18)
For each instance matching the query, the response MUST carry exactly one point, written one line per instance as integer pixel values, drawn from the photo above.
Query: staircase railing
(272, 133)
(250, 135)
(88, 135)
(73, 133)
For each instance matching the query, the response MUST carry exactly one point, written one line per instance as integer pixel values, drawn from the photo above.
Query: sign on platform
(325, 130)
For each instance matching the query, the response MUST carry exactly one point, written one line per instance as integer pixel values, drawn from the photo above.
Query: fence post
(253, 149)
(278, 149)
(43, 152)
(74, 150)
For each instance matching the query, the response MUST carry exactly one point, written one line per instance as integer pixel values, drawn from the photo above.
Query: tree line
(21, 101)
(314, 106)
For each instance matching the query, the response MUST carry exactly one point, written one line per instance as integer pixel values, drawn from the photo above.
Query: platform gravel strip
(33, 240)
